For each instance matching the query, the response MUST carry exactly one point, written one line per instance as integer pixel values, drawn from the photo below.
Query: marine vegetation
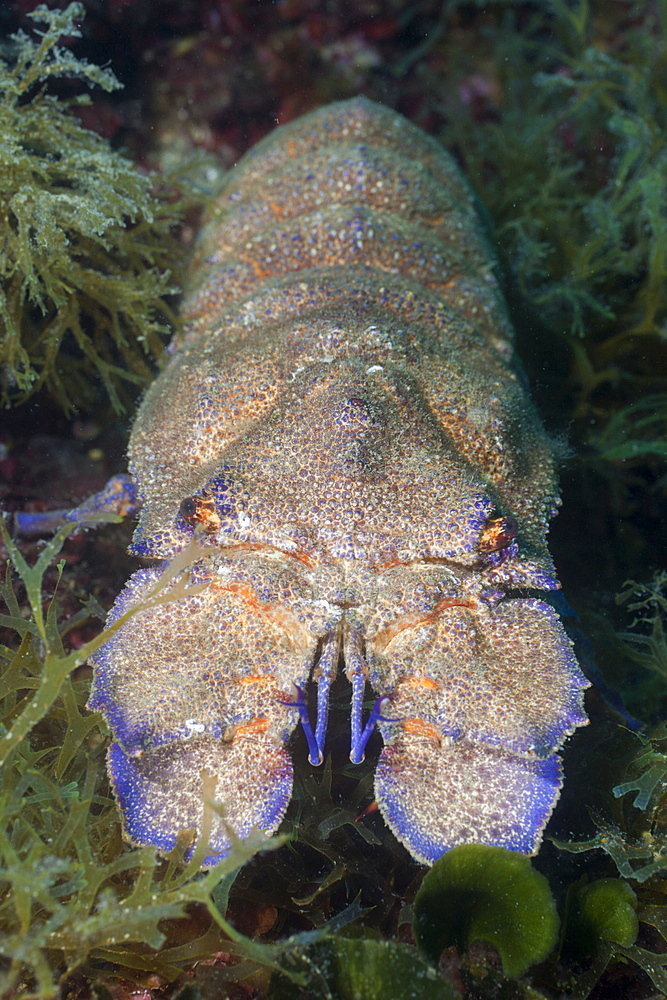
(568, 153)
(606, 911)
(87, 241)
(567, 148)
(645, 643)
(476, 892)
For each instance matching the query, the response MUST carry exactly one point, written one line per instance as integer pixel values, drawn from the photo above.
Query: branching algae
(572, 166)
(86, 241)
(70, 895)
(604, 915)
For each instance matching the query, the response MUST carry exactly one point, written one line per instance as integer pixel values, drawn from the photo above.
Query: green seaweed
(604, 912)
(637, 842)
(481, 893)
(602, 928)
(648, 770)
(72, 896)
(646, 643)
(571, 162)
(88, 240)
(344, 968)
(632, 645)
(602, 917)
(636, 859)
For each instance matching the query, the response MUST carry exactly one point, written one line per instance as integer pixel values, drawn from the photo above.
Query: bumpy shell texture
(344, 429)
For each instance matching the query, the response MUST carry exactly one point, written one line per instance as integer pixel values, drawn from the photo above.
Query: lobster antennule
(360, 737)
(435, 797)
(315, 755)
(357, 673)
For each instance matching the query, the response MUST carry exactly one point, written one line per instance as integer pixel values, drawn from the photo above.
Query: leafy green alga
(476, 892)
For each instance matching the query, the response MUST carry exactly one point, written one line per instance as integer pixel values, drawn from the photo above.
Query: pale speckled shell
(345, 390)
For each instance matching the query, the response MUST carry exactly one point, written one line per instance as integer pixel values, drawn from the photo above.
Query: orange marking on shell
(260, 272)
(389, 564)
(424, 682)
(417, 727)
(303, 558)
(242, 590)
(448, 602)
(296, 634)
(251, 728)
(452, 282)
(442, 287)
(210, 520)
(416, 620)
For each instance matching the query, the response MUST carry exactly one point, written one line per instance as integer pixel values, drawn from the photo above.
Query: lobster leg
(357, 672)
(315, 756)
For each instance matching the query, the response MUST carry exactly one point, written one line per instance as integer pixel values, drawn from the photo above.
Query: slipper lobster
(345, 429)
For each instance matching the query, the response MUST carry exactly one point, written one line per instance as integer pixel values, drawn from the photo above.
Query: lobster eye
(497, 534)
(200, 509)
(188, 508)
